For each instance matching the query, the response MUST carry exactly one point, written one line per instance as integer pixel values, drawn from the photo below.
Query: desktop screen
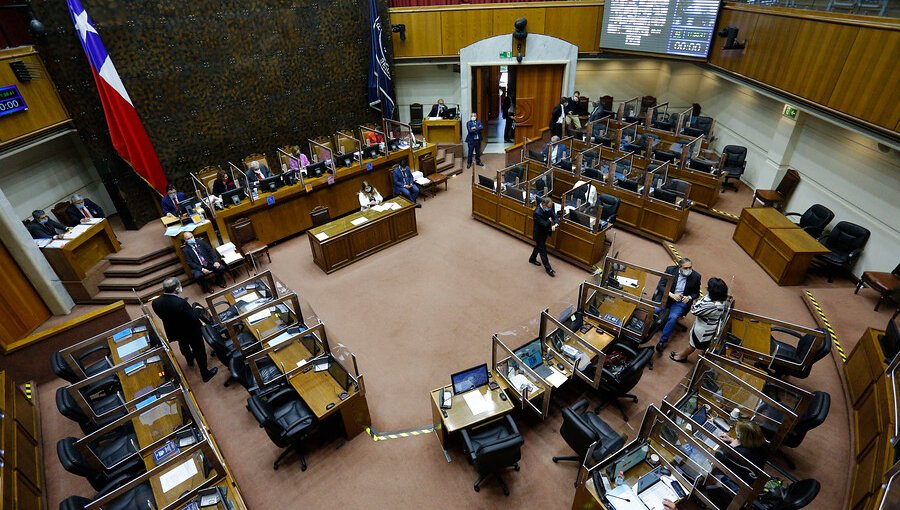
(470, 379)
(532, 353)
(668, 27)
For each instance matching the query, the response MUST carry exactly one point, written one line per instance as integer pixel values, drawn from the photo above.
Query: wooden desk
(203, 230)
(441, 130)
(705, 187)
(598, 339)
(634, 274)
(75, 259)
(459, 416)
(779, 246)
(341, 243)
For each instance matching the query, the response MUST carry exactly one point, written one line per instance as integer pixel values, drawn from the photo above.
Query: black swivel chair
(241, 372)
(617, 386)
(582, 428)
(609, 208)
(797, 495)
(113, 450)
(815, 415)
(106, 385)
(287, 420)
(786, 352)
(494, 447)
(734, 166)
(629, 184)
(69, 408)
(814, 220)
(138, 498)
(846, 242)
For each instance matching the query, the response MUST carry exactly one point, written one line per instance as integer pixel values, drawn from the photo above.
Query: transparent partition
(103, 351)
(540, 187)
(599, 132)
(518, 379)
(684, 120)
(399, 136)
(629, 110)
(373, 142)
(322, 165)
(626, 176)
(533, 150)
(245, 295)
(707, 161)
(293, 165)
(242, 188)
(658, 117)
(580, 207)
(513, 183)
(691, 148)
(348, 150)
(247, 330)
(284, 351)
(650, 286)
(629, 140)
(591, 162)
(559, 154)
(614, 313)
(575, 356)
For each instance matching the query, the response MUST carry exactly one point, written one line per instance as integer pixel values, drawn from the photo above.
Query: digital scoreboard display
(682, 28)
(11, 100)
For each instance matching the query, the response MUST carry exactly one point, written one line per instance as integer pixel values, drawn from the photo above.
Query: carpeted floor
(418, 311)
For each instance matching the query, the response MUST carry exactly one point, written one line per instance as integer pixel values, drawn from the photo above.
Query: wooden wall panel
(45, 110)
(734, 60)
(423, 34)
(773, 41)
(869, 85)
(823, 47)
(504, 20)
(577, 25)
(21, 308)
(462, 28)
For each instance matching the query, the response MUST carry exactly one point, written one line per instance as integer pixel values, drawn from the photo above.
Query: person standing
(82, 209)
(473, 140)
(182, 326)
(708, 311)
(558, 116)
(678, 302)
(545, 223)
(505, 107)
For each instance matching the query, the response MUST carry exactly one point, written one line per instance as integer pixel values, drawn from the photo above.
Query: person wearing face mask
(572, 106)
(82, 209)
(257, 172)
(42, 227)
(368, 196)
(203, 260)
(182, 326)
(438, 110)
(545, 223)
(222, 183)
(684, 291)
(708, 312)
(171, 200)
(404, 184)
(473, 140)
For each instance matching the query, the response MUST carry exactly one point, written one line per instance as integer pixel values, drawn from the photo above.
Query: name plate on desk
(369, 166)
(165, 451)
(330, 179)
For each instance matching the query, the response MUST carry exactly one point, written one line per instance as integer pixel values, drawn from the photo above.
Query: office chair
(734, 166)
(218, 341)
(788, 353)
(678, 186)
(700, 125)
(884, 283)
(814, 220)
(779, 196)
(68, 407)
(582, 428)
(287, 420)
(494, 447)
(240, 371)
(247, 242)
(628, 184)
(846, 242)
(609, 206)
(798, 495)
(106, 385)
(415, 117)
(617, 386)
(112, 451)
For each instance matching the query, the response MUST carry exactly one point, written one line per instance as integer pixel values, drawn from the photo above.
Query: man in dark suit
(182, 326)
(558, 116)
(438, 110)
(473, 140)
(42, 227)
(83, 209)
(258, 172)
(403, 183)
(203, 260)
(545, 222)
(172, 199)
(505, 106)
(685, 291)
(555, 153)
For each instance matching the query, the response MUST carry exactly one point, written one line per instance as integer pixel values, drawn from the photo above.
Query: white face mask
(474, 118)
(686, 272)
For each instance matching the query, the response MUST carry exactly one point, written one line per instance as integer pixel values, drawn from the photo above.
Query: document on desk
(623, 497)
(92, 221)
(321, 236)
(282, 338)
(249, 297)
(79, 229)
(521, 382)
(126, 350)
(173, 231)
(359, 221)
(57, 243)
(557, 378)
(423, 181)
(627, 282)
(378, 208)
(477, 402)
(258, 316)
(178, 475)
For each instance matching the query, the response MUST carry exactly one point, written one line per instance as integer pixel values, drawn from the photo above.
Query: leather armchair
(286, 419)
(815, 415)
(814, 220)
(69, 408)
(111, 452)
(617, 386)
(107, 385)
(787, 353)
(885, 283)
(582, 428)
(734, 166)
(138, 498)
(846, 242)
(241, 372)
(494, 447)
(609, 208)
(797, 495)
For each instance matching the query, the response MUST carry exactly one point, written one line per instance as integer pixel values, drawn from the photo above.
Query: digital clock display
(11, 100)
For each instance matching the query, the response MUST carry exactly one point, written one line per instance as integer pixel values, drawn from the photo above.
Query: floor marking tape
(384, 436)
(827, 324)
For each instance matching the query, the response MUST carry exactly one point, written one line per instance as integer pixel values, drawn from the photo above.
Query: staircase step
(445, 164)
(440, 154)
(138, 270)
(136, 260)
(111, 296)
(153, 279)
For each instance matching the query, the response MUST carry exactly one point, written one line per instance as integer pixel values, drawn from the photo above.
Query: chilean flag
(125, 128)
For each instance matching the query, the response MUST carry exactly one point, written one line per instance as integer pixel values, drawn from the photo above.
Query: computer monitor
(532, 353)
(630, 459)
(487, 182)
(316, 169)
(188, 205)
(344, 160)
(592, 173)
(270, 184)
(469, 379)
(371, 152)
(515, 193)
(580, 218)
(393, 145)
(628, 184)
(665, 195)
(449, 113)
(631, 147)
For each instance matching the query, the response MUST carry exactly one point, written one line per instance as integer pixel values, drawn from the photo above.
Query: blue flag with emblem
(381, 85)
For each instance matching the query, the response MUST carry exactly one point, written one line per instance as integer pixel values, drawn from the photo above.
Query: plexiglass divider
(260, 320)
(322, 157)
(223, 304)
(348, 150)
(578, 356)
(524, 383)
(513, 183)
(399, 136)
(136, 335)
(648, 285)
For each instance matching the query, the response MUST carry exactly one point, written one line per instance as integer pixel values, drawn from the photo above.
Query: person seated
(749, 441)
(587, 195)
(301, 161)
(404, 184)
(373, 138)
(42, 227)
(438, 110)
(82, 209)
(257, 172)
(203, 260)
(558, 152)
(222, 183)
(171, 200)
(368, 196)
(685, 291)
(708, 311)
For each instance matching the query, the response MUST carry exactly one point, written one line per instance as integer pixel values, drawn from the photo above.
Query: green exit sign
(789, 112)
(505, 54)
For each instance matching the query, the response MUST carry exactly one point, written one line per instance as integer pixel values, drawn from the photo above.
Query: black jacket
(543, 221)
(76, 215)
(191, 258)
(219, 187)
(40, 231)
(691, 286)
(178, 318)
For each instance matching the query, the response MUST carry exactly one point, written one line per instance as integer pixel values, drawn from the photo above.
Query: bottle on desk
(620, 478)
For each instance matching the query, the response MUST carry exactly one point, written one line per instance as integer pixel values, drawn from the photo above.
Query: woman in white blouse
(368, 196)
(708, 311)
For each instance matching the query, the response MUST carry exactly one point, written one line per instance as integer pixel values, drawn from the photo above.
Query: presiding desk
(441, 130)
(80, 250)
(460, 416)
(348, 239)
(777, 244)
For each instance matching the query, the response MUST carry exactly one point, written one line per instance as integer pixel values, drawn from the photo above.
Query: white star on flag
(83, 26)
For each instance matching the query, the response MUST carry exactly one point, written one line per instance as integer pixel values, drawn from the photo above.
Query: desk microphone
(608, 495)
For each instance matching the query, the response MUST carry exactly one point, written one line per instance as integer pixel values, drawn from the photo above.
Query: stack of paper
(359, 221)
(92, 221)
(321, 236)
(477, 402)
(178, 475)
(56, 244)
(557, 378)
(521, 382)
(256, 317)
(173, 231)
(391, 206)
(229, 253)
(423, 181)
(249, 297)
(627, 282)
(379, 208)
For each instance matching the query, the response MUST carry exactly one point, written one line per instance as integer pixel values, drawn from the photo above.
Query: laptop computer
(652, 489)
(532, 354)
